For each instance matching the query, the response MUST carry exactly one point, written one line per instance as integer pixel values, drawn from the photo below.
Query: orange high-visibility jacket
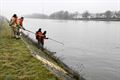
(39, 35)
(19, 22)
(13, 21)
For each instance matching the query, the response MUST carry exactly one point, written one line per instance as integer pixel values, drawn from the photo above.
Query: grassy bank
(16, 62)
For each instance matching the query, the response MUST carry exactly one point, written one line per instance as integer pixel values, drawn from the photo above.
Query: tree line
(76, 15)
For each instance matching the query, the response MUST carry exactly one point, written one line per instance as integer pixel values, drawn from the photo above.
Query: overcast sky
(20, 7)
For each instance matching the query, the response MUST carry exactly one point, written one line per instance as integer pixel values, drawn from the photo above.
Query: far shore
(98, 19)
(82, 19)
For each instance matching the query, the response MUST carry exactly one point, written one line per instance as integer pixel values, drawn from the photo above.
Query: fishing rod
(48, 38)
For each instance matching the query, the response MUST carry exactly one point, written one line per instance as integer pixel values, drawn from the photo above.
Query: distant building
(92, 16)
(78, 16)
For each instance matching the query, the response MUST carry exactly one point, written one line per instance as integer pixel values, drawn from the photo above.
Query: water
(91, 47)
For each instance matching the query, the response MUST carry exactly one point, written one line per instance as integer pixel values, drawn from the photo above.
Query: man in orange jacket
(40, 37)
(20, 26)
(13, 24)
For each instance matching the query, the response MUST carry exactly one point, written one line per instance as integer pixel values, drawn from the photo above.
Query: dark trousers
(40, 45)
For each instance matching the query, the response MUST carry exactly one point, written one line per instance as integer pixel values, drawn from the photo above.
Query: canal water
(90, 47)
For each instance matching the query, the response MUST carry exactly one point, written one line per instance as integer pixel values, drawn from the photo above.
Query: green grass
(16, 62)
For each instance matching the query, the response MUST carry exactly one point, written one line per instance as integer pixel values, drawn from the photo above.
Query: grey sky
(9, 7)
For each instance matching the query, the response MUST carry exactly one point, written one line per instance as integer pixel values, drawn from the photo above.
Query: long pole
(56, 41)
(29, 31)
(48, 38)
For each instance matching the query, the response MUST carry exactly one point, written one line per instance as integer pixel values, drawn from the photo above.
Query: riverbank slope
(16, 62)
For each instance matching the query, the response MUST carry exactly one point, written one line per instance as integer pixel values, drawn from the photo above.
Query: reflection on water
(93, 44)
